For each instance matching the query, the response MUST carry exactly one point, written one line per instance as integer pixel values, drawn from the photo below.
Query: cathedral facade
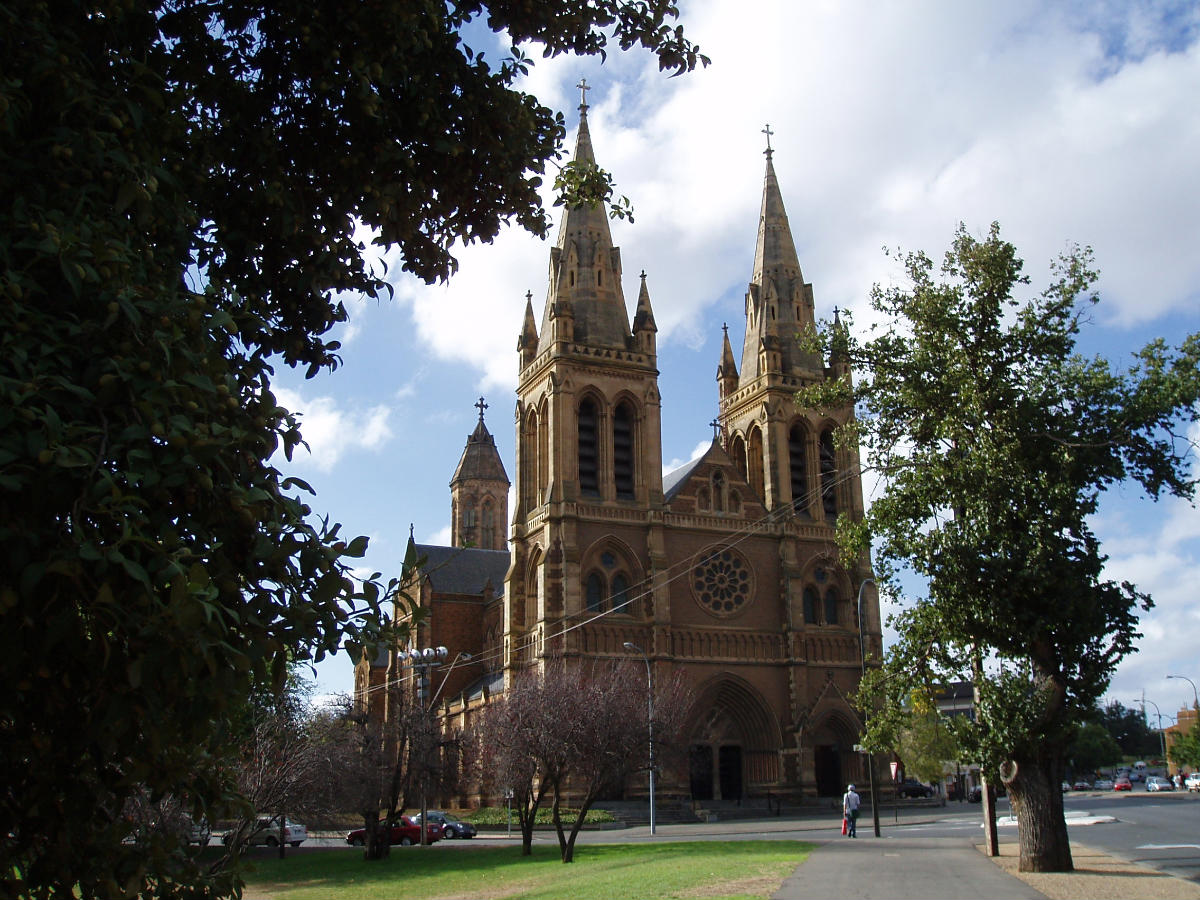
(725, 569)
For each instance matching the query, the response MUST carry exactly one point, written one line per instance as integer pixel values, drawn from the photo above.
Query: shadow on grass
(735, 869)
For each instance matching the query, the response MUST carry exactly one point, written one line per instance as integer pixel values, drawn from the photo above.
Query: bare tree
(574, 732)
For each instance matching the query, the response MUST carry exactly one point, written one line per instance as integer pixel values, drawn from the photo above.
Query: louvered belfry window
(589, 448)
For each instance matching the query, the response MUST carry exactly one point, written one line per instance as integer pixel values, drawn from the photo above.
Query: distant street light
(1162, 741)
(649, 721)
(862, 652)
(1195, 699)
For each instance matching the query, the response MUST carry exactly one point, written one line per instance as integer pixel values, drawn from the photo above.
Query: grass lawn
(732, 870)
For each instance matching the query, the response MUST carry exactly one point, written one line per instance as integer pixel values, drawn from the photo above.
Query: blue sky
(1067, 123)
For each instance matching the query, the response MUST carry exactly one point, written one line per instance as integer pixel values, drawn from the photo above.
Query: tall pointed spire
(778, 302)
(585, 299)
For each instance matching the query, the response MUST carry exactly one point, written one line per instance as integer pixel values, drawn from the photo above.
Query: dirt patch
(763, 886)
(1098, 876)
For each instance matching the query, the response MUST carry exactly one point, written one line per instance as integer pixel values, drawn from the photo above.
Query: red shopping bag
(845, 825)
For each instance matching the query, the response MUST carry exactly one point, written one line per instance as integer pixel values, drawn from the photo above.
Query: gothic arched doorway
(735, 742)
(833, 757)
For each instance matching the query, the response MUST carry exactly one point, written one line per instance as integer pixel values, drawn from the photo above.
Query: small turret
(644, 328)
(727, 373)
(527, 341)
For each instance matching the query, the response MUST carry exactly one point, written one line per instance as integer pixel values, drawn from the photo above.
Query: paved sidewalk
(899, 868)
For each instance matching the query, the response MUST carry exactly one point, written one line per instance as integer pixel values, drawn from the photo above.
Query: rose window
(722, 582)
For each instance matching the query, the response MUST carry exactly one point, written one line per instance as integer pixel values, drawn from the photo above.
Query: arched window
(828, 476)
(737, 452)
(798, 456)
(530, 462)
(487, 526)
(623, 450)
(810, 606)
(703, 500)
(718, 488)
(594, 593)
(619, 599)
(754, 463)
(589, 448)
(831, 606)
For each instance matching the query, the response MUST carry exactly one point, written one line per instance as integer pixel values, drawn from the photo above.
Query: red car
(1122, 784)
(405, 832)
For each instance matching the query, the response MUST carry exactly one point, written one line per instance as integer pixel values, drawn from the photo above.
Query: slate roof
(464, 570)
(673, 481)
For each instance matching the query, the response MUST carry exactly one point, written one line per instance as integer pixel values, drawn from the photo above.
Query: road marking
(1169, 847)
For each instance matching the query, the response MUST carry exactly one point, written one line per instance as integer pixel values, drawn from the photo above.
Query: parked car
(1192, 782)
(266, 833)
(910, 787)
(1158, 783)
(1122, 783)
(1102, 784)
(452, 826)
(404, 832)
(1081, 785)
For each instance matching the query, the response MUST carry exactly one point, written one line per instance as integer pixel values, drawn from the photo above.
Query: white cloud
(331, 430)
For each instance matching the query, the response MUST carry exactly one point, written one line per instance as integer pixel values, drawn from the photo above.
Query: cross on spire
(768, 132)
(584, 87)
(481, 406)
(716, 427)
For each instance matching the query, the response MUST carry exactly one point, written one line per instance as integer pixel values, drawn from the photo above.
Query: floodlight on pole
(649, 721)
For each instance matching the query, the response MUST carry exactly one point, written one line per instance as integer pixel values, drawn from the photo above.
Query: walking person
(850, 804)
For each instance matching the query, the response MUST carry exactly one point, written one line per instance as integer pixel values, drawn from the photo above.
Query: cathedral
(725, 569)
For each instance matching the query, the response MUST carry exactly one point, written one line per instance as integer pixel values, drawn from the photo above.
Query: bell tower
(589, 449)
(786, 454)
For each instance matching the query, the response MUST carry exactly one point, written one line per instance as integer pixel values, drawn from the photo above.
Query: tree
(182, 186)
(1129, 729)
(995, 442)
(571, 733)
(926, 744)
(1093, 748)
(1184, 751)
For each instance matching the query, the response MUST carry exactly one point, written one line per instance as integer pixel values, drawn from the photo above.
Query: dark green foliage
(1129, 729)
(1185, 749)
(1092, 749)
(997, 440)
(181, 189)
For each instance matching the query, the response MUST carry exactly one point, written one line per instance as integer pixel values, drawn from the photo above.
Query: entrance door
(700, 767)
(828, 765)
(729, 770)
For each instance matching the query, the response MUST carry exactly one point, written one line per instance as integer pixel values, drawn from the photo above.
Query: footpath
(896, 867)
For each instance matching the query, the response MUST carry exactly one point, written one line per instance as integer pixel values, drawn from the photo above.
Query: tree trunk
(378, 843)
(1035, 792)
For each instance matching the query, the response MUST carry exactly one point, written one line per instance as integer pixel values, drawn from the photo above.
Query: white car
(1157, 783)
(266, 831)
(1102, 784)
(1192, 782)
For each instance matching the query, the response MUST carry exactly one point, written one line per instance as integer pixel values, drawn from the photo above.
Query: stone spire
(778, 302)
(584, 303)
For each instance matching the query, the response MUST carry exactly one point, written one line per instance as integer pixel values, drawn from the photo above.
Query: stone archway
(735, 742)
(834, 761)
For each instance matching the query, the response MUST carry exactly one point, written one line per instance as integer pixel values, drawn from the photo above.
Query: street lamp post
(422, 660)
(649, 721)
(862, 652)
(1162, 741)
(1195, 699)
